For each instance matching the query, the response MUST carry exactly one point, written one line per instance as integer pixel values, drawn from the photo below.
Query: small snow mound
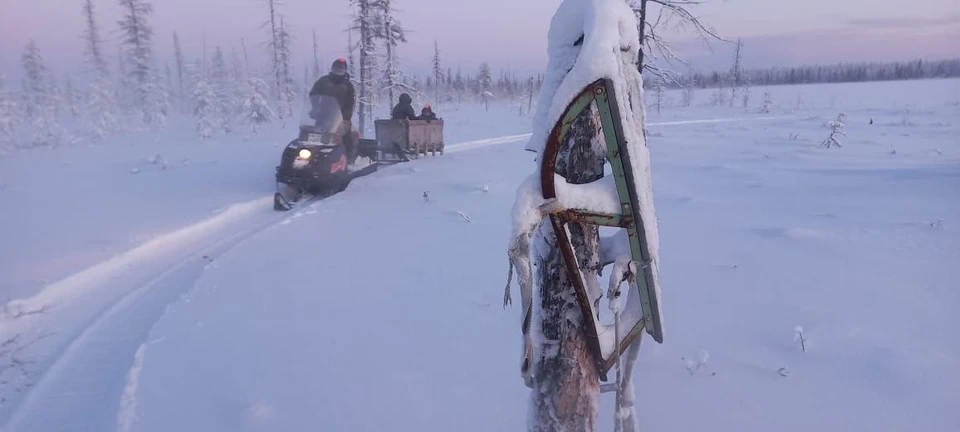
(703, 356)
(260, 411)
(804, 233)
(794, 233)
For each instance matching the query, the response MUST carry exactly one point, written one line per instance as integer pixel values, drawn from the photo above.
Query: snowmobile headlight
(304, 154)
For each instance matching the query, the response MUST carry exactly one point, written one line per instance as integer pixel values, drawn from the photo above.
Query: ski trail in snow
(489, 142)
(98, 337)
(472, 145)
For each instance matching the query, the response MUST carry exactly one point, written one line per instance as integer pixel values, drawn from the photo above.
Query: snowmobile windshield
(322, 113)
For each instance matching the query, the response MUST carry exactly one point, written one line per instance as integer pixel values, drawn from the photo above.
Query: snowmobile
(318, 162)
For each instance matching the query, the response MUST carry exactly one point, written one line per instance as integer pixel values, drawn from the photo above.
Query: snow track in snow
(99, 319)
(472, 145)
(84, 386)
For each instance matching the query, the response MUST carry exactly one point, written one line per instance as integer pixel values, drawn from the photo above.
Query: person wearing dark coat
(427, 113)
(404, 109)
(337, 85)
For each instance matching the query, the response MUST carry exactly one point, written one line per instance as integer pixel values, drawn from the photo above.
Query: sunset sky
(506, 33)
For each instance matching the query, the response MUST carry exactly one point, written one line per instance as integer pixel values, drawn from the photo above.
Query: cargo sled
(400, 140)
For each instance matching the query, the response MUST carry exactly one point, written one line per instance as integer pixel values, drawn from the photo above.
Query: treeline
(447, 86)
(127, 86)
(839, 73)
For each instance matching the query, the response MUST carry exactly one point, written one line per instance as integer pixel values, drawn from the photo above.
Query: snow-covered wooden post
(590, 111)
(565, 391)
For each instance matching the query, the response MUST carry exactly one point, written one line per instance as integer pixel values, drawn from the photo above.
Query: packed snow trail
(81, 386)
(113, 305)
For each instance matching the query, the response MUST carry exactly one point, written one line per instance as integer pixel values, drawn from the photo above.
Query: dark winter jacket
(340, 88)
(404, 109)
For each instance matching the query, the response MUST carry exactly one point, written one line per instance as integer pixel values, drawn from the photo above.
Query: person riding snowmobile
(337, 84)
(404, 109)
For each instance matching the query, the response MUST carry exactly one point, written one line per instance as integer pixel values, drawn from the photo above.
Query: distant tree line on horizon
(838, 73)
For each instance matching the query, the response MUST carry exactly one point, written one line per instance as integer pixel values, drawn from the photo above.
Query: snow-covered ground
(176, 299)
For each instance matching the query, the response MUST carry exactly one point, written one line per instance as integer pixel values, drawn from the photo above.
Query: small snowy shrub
(694, 365)
(906, 117)
(836, 131)
(687, 97)
(767, 102)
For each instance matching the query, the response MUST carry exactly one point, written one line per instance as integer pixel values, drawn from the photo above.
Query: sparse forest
(232, 94)
(227, 93)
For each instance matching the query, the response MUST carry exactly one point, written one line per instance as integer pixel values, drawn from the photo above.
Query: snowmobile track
(62, 396)
(83, 385)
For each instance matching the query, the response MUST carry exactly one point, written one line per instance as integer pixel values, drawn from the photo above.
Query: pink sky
(505, 32)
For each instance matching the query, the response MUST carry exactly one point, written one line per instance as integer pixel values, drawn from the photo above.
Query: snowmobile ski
(602, 93)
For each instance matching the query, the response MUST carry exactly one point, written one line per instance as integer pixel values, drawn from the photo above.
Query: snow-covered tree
(484, 79)
(459, 86)
(180, 65)
(221, 84)
(836, 131)
(658, 93)
(95, 57)
(8, 116)
(136, 38)
(720, 96)
(72, 98)
(367, 21)
(246, 58)
(736, 73)
(39, 96)
(351, 56)
(125, 89)
(256, 109)
(746, 96)
(205, 108)
(767, 102)
(656, 52)
(101, 101)
(687, 95)
(272, 24)
(392, 34)
(531, 89)
(288, 88)
(236, 67)
(169, 85)
(157, 104)
(487, 95)
(438, 69)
